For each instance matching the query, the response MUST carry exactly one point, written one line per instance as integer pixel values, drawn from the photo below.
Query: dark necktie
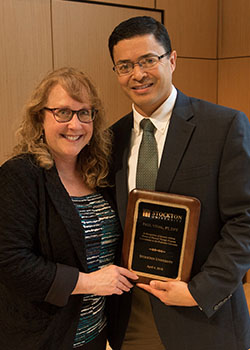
(147, 164)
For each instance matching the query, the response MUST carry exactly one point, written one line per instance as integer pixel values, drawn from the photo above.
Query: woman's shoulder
(21, 166)
(20, 184)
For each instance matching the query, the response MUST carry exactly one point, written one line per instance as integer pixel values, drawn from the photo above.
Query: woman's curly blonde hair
(93, 159)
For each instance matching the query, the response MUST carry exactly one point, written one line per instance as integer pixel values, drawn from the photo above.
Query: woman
(58, 229)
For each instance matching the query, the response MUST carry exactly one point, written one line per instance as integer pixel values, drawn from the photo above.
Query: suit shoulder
(125, 121)
(204, 106)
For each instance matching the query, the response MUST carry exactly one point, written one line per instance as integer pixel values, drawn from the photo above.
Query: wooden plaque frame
(160, 235)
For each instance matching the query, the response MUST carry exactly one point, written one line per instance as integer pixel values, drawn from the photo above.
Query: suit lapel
(121, 155)
(67, 212)
(179, 133)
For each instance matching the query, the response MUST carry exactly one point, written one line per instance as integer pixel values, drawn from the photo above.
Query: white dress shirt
(160, 118)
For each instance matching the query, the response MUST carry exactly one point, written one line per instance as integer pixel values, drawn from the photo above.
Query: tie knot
(147, 125)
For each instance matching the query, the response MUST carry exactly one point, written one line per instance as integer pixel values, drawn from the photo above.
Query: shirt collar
(160, 117)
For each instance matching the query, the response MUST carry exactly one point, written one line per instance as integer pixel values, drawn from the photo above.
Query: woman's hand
(106, 281)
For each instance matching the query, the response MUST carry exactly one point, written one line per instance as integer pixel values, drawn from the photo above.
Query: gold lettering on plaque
(156, 238)
(148, 257)
(160, 215)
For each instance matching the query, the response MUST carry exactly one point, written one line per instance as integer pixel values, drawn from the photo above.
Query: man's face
(147, 88)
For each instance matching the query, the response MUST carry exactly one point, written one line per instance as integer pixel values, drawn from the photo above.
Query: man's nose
(138, 71)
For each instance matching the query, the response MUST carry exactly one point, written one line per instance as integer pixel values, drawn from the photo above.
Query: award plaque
(160, 235)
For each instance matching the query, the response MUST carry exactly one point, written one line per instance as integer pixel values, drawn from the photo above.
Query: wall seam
(92, 2)
(218, 44)
(52, 36)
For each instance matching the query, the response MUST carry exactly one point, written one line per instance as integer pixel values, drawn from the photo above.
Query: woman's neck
(72, 179)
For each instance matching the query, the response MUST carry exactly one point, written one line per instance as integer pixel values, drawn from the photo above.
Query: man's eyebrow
(139, 58)
(123, 61)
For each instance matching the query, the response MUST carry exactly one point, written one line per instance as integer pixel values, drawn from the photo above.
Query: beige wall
(212, 39)
(234, 55)
(25, 55)
(90, 51)
(193, 28)
(137, 3)
(37, 36)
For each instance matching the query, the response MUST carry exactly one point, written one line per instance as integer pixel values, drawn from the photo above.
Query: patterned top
(101, 234)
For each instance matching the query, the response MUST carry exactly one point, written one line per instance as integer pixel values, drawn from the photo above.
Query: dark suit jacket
(206, 155)
(41, 251)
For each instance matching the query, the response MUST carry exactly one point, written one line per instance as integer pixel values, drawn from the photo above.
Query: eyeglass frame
(139, 64)
(73, 112)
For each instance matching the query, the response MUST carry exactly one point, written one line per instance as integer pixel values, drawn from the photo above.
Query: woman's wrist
(82, 284)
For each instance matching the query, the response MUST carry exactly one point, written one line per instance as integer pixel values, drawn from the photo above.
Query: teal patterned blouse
(101, 235)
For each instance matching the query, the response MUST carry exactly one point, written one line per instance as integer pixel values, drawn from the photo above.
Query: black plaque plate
(160, 235)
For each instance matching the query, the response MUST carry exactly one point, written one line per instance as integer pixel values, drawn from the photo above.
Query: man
(203, 151)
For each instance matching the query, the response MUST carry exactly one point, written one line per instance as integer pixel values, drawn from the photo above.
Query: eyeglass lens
(145, 63)
(66, 114)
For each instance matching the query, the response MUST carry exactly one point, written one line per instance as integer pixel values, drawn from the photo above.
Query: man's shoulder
(204, 105)
(124, 122)
(199, 103)
(206, 110)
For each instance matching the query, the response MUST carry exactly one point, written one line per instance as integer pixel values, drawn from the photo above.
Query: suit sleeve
(230, 258)
(23, 269)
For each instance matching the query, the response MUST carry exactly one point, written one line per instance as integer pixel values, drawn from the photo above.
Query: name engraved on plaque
(158, 239)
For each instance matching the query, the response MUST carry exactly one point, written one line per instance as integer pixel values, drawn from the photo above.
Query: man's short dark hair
(138, 26)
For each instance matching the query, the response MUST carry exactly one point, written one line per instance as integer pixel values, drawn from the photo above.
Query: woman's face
(66, 140)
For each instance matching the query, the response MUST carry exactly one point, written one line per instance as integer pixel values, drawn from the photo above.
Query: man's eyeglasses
(64, 115)
(147, 62)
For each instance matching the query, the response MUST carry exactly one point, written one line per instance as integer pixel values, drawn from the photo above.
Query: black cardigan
(41, 252)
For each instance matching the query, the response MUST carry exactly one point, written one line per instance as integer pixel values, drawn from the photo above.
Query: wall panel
(192, 26)
(197, 77)
(25, 55)
(234, 38)
(234, 83)
(84, 44)
(247, 293)
(140, 3)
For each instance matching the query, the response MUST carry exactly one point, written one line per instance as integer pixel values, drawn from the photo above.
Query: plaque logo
(159, 215)
(146, 213)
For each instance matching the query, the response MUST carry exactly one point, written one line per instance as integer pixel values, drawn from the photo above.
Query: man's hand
(175, 293)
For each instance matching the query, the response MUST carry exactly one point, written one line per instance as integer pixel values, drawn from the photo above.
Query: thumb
(158, 285)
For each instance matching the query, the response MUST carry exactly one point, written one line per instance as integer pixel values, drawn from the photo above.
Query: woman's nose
(75, 122)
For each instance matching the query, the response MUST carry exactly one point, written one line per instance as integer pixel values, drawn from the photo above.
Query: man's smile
(140, 87)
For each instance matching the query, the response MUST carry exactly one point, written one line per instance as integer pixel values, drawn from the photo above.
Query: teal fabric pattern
(102, 232)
